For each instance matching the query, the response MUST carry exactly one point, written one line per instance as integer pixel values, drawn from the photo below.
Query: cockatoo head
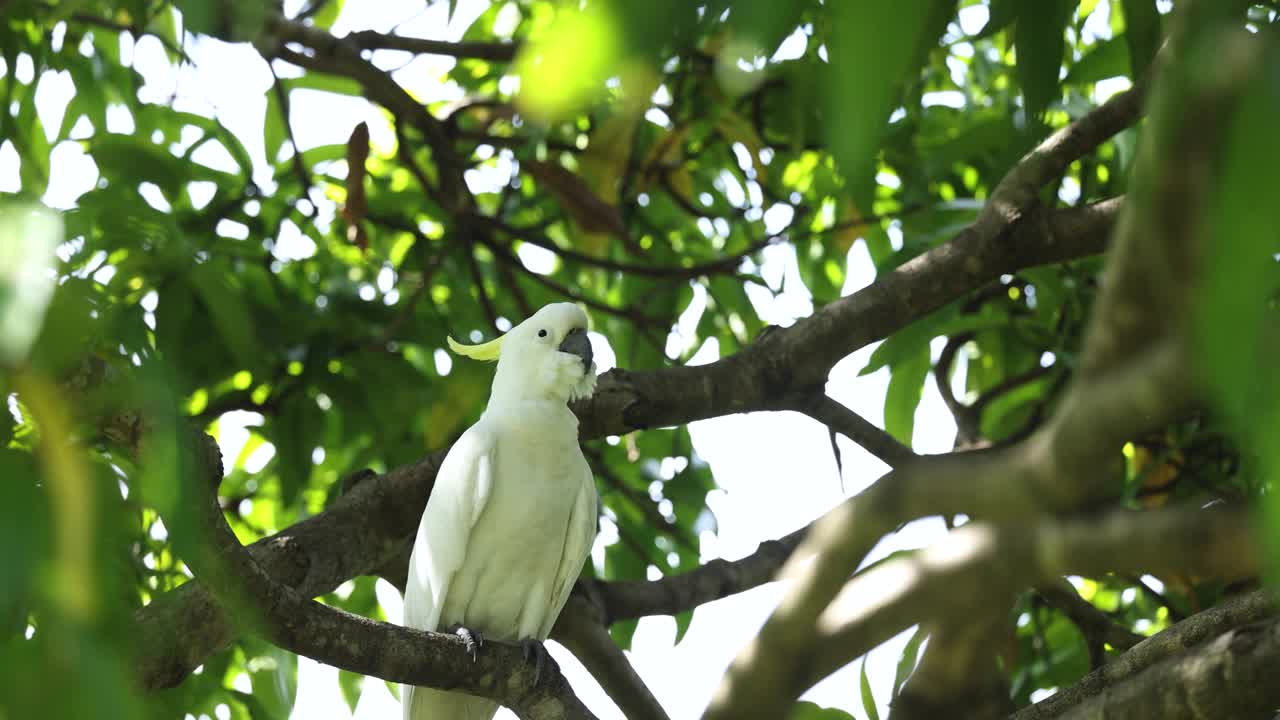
(546, 357)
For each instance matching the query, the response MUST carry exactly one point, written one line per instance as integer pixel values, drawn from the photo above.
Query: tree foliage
(655, 162)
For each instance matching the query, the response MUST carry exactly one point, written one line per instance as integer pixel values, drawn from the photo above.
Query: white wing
(461, 490)
(579, 536)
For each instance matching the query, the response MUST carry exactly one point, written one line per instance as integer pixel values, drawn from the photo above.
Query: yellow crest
(483, 351)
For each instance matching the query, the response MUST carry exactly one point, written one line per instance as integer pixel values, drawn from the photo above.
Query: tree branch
(801, 356)
(829, 412)
(1094, 624)
(1136, 373)
(678, 272)
(980, 565)
(1168, 643)
(341, 57)
(1231, 677)
(717, 579)
(493, 51)
(351, 642)
(362, 530)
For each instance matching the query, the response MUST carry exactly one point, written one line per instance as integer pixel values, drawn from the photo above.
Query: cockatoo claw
(472, 639)
(536, 650)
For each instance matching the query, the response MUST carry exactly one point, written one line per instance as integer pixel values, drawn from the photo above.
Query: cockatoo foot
(536, 650)
(472, 639)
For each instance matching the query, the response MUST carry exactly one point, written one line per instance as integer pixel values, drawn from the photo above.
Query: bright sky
(775, 470)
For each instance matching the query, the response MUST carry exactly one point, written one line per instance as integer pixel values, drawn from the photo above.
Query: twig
(829, 412)
(1097, 628)
(84, 18)
(712, 267)
(299, 168)
(492, 51)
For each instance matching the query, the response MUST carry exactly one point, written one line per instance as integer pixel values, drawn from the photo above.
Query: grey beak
(577, 343)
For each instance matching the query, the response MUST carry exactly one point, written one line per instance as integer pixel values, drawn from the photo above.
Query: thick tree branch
(959, 670)
(1136, 373)
(351, 642)
(979, 565)
(1195, 630)
(1232, 676)
(800, 357)
(360, 532)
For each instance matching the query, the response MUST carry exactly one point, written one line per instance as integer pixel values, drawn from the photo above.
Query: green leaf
(683, 621)
(868, 698)
(1108, 59)
(199, 16)
(352, 685)
(133, 160)
(907, 661)
(905, 343)
(1142, 32)
(621, 562)
(293, 446)
(906, 385)
(23, 538)
(623, 631)
(1001, 14)
(805, 710)
(324, 83)
(31, 233)
(329, 13)
(874, 48)
(1238, 319)
(274, 675)
(765, 23)
(228, 310)
(1040, 43)
(273, 125)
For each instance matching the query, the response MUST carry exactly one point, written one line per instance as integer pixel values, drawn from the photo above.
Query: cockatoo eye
(542, 333)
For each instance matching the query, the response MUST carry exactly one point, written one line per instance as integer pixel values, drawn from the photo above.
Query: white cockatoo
(512, 516)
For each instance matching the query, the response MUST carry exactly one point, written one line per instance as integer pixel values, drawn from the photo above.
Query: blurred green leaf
(874, 46)
(1238, 323)
(228, 311)
(31, 233)
(23, 538)
(1109, 58)
(274, 675)
(1142, 32)
(1040, 42)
